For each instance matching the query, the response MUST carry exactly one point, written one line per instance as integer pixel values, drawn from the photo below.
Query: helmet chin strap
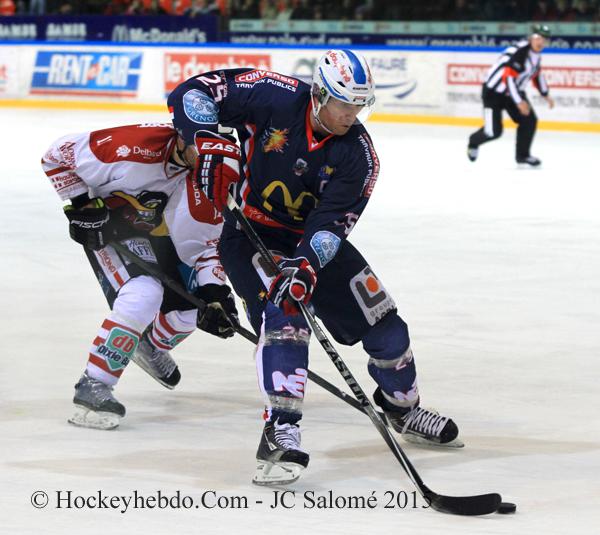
(316, 114)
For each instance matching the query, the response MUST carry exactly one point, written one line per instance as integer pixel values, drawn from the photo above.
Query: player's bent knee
(388, 339)
(139, 300)
(284, 329)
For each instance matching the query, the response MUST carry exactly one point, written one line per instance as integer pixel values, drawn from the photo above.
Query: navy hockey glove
(219, 317)
(295, 284)
(217, 166)
(90, 225)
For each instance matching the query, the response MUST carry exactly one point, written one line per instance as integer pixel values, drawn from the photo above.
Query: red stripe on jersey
(509, 71)
(118, 278)
(312, 143)
(254, 214)
(57, 170)
(252, 128)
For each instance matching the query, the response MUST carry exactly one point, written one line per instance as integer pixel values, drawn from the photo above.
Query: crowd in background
(282, 10)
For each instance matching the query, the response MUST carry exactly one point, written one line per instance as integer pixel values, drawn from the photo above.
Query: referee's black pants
(493, 105)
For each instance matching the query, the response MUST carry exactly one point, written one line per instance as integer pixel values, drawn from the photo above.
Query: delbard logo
(123, 151)
(114, 74)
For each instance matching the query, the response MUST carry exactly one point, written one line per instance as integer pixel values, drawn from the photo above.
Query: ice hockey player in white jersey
(132, 184)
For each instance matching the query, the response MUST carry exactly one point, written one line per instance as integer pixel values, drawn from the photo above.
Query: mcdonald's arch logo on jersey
(292, 205)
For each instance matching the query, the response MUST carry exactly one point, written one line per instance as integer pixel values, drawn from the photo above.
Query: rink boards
(434, 86)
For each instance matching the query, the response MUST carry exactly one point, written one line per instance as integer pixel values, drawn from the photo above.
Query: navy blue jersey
(316, 188)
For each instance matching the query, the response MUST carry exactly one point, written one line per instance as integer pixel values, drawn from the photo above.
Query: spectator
(7, 8)
(285, 11)
(564, 11)
(136, 7)
(37, 7)
(583, 12)
(543, 11)
(116, 7)
(201, 7)
(244, 9)
(302, 11)
(464, 10)
(269, 10)
(65, 8)
(155, 8)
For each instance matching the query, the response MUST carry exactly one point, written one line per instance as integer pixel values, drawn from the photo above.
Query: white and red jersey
(132, 164)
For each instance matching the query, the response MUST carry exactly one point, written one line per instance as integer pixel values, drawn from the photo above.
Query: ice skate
(472, 153)
(95, 405)
(156, 363)
(419, 425)
(279, 456)
(531, 161)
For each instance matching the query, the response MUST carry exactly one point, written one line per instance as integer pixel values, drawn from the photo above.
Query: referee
(504, 89)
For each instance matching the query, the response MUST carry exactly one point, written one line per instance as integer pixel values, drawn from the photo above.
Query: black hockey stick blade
(483, 504)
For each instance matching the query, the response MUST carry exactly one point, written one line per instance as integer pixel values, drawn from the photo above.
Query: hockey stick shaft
(467, 505)
(242, 331)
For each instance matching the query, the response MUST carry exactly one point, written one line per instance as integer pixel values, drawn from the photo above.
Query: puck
(506, 508)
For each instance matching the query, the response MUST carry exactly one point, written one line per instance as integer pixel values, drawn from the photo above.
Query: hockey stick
(458, 505)
(242, 331)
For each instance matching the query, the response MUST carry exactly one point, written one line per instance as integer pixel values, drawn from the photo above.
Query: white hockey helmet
(345, 76)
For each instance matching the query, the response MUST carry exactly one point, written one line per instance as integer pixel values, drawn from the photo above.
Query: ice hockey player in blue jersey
(307, 169)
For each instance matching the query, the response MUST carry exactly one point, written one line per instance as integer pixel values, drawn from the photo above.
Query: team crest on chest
(300, 167)
(275, 139)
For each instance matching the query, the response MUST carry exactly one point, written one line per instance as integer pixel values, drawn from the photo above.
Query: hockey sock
(172, 328)
(111, 350)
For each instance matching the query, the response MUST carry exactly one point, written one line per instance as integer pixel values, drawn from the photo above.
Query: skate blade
(528, 166)
(84, 417)
(148, 370)
(276, 474)
(420, 441)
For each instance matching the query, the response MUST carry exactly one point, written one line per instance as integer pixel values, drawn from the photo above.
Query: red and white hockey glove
(295, 284)
(217, 166)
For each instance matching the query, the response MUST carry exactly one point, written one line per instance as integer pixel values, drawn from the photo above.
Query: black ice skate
(532, 161)
(95, 405)
(156, 363)
(472, 153)
(420, 426)
(279, 456)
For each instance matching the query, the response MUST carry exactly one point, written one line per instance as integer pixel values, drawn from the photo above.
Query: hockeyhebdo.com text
(211, 499)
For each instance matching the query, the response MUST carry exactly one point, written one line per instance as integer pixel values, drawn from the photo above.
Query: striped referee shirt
(515, 67)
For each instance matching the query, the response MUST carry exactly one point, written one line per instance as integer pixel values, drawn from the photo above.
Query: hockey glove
(217, 166)
(219, 317)
(295, 284)
(90, 225)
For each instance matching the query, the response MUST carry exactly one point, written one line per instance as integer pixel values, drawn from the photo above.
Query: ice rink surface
(495, 269)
